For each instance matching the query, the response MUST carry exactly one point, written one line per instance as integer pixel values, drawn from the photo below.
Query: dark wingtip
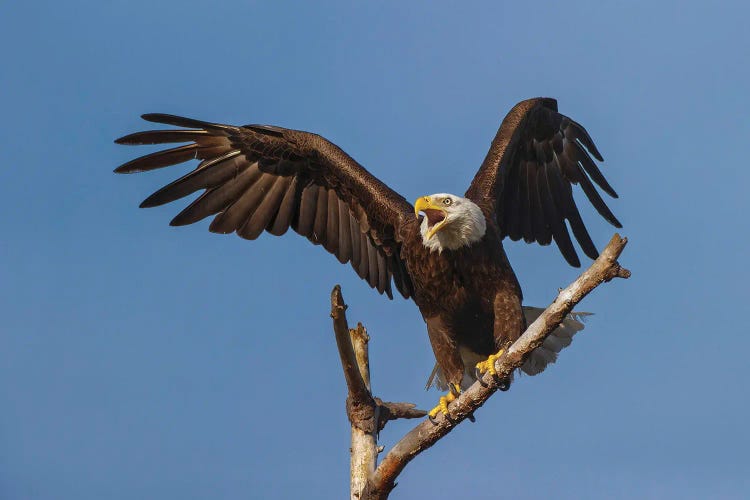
(573, 260)
(156, 117)
(184, 218)
(167, 119)
(181, 121)
(131, 139)
(148, 203)
(123, 169)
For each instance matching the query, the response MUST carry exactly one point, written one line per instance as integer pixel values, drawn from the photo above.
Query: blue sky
(143, 361)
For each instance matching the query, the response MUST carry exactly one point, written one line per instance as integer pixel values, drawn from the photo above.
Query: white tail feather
(540, 358)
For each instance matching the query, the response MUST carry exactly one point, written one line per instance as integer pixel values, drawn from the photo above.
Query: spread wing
(259, 178)
(526, 179)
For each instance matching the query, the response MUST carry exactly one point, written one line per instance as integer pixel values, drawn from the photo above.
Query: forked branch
(367, 414)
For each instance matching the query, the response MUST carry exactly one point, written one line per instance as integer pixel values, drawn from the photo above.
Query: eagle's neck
(464, 225)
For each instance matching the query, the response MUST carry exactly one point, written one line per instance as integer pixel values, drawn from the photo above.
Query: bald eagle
(450, 260)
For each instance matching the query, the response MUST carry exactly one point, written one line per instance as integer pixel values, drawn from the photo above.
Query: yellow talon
(445, 401)
(488, 366)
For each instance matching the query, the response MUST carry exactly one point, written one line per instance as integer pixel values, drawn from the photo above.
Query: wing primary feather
(345, 236)
(238, 212)
(569, 165)
(364, 257)
(372, 275)
(581, 233)
(321, 217)
(181, 121)
(331, 241)
(382, 273)
(564, 198)
(512, 203)
(526, 209)
(208, 174)
(217, 199)
(596, 200)
(585, 139)
(161, 137)
(286, 209)
(593, 171)
(267, 209)
(541, 232)
(356, 243)
(159, 159)
(307, 209)
(399, 277)
(553, 214)
(396, 274)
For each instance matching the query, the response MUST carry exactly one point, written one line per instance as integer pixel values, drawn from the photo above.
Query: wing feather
(363, 266)
(356, 245)
(596, 175)
(331, 242)
(259, 178)
(209, 173)
(525, 180)
(285, 213)
(235, 215)
(267, 209)
(160, 159)
(372, 270)
(217, 199)
(162, 137)
(556, 217)
(344, 253)
(307, 210)
(321, 217)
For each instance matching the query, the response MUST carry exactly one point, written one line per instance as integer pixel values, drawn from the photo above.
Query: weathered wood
(361, 408)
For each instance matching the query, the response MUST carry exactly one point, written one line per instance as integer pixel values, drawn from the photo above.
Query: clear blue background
(143, 361)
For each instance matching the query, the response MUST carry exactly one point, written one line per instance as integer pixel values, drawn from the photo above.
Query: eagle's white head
(450, 222)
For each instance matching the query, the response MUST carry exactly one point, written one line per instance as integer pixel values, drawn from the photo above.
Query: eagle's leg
(488, 366)
(442, 406)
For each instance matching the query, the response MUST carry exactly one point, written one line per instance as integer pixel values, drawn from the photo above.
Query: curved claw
(504, 385)
(478, 376)
(442, 406)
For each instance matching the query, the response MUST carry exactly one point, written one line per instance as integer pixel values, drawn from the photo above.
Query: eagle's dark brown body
(260, 178)
(469, 298)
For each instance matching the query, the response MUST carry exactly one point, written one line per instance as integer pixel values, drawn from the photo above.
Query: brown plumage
(259, 178)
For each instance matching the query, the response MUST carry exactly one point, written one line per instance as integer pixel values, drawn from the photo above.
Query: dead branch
(427, 433)
(361, 407)
(367, 415)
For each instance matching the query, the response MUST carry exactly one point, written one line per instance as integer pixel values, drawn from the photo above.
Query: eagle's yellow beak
(435, 213)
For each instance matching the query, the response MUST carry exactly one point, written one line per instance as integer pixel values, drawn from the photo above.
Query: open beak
(435, 214)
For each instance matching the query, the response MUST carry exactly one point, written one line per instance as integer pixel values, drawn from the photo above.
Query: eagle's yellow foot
(488, 366)
(445, 401)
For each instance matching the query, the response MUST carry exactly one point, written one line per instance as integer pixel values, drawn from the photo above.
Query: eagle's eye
(447, 202)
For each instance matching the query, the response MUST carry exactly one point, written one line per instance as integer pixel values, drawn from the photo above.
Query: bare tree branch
(361, 408)
(393, 411)
(359, 390)
(425, 434)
